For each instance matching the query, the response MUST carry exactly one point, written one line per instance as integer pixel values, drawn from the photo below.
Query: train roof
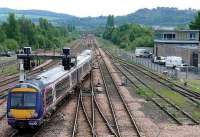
(57, 72)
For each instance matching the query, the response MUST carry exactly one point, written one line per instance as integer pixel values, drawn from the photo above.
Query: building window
(169, 36)
(159, 36)
(192, 36)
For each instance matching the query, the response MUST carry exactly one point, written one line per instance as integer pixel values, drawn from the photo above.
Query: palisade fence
(146, 62)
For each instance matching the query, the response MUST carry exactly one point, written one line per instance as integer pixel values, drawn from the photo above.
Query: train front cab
(24, 107)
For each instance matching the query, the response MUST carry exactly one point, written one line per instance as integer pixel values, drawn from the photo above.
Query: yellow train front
(25, 106)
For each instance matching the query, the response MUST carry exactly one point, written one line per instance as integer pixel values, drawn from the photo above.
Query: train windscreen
(23, 100)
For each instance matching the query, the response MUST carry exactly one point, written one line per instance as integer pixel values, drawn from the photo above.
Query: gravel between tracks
(150, 128)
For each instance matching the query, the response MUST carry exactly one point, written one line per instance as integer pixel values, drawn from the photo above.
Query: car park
(141, 52)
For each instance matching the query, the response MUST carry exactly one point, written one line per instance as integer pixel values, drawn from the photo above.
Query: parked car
(159, 60)
(184, 67)
(143, 53)
(173, 61)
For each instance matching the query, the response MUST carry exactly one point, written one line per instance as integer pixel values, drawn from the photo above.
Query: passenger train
(30, 102)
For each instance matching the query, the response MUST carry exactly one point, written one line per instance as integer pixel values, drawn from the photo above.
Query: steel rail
(190, 94)
(133, 121)
(110, 102)
(99, 110)
(74, 131)
(169, 102)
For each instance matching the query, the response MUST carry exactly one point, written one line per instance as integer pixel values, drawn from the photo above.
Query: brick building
(182, 43)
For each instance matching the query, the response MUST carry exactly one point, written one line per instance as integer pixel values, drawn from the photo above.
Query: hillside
(159, 17)
(151, 17)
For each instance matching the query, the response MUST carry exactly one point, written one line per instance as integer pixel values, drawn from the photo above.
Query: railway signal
(25, 59)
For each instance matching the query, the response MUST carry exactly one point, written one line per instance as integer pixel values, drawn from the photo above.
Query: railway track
(172, 110)
(99, 114)
(193, 98)
(87, 105)
(116, 101)
(184, 91)
(81, 114)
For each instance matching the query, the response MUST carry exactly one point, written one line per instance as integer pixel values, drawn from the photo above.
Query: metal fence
(146, 62)
(183, 73)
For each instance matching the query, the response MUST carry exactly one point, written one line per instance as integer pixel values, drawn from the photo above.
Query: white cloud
(97, 7)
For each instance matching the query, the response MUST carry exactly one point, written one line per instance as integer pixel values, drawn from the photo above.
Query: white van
(159, 60)
(173, 61)
(139, 52)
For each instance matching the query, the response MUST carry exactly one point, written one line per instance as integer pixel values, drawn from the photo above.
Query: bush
(10, 44)
(129, 36)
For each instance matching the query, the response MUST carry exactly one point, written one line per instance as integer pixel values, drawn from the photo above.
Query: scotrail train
(30, 102)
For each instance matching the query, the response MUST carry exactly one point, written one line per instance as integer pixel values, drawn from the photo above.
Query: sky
(83, 8)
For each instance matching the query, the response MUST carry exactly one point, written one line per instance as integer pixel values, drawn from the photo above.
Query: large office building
(182, 43)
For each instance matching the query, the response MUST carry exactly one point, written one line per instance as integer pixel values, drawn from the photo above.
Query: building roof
(170, 30)
(177, 41)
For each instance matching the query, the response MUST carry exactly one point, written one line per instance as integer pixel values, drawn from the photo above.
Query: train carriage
(30, 102)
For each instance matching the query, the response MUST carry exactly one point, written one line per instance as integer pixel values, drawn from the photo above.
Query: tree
(109, 27)
(12, 28)
(28, 31)
(70, 27)
(2, 35)
(132, 36)
(110, 21)
(44, 24)
(115, 38)
(11, 44)
(196, 23)
(24, 32)
(129, 36)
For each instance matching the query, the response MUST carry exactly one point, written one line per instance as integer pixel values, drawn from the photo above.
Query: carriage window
(74, 77)
(80, 72)
(49, 97)
(85, 67)
(62, 86)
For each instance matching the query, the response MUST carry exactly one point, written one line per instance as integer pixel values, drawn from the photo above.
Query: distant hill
(56, 18)
(161, 16)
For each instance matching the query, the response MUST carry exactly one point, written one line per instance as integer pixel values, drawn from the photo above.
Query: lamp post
(186, 77)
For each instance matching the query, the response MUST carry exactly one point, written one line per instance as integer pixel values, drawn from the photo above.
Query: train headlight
(9, 114)
(35, 114)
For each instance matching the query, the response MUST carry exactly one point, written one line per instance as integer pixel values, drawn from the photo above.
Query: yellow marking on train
(24, 90)
(22, 113)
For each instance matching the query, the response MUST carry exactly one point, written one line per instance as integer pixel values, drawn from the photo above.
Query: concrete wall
(172, 50)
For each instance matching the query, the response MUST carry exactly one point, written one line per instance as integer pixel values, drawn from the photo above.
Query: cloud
(97, 7)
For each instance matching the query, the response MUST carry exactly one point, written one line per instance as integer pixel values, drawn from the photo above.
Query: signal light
(66, 51)
(27, 63)
(27, 50)
(66, 62)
